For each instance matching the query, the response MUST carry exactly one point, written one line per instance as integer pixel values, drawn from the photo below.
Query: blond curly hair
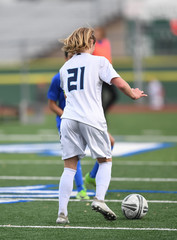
(79, 40)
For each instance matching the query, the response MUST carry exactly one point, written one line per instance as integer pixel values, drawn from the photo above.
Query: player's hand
(138, 93)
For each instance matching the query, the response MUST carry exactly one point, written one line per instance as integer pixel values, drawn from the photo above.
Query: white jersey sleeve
(107, 72)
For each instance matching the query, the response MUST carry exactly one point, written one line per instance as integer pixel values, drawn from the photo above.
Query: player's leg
(82, 192)
(100, 148)
(90, 176)
(103, 178)
(73, 147)
(94, 170)
(65, 188)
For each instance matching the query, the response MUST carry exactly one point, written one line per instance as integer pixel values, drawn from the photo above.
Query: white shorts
(75, 136)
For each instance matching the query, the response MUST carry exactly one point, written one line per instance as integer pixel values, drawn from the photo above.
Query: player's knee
(101, 160)
(71, 163)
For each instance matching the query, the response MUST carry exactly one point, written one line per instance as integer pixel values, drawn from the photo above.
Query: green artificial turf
(161, 214)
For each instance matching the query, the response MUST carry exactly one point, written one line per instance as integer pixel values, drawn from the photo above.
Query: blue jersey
(56, 94)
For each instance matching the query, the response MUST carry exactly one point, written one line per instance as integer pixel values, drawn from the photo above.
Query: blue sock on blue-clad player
(78, 177)
(94, 170)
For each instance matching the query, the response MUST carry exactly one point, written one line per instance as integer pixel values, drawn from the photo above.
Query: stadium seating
(28, 28)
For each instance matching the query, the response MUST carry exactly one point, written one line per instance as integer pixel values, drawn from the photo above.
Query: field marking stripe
(89, 162)
(115, 179)
(145, 179)
(51, 136)
(29, 178)
(44, 195)
(90, 228)
(77, 200)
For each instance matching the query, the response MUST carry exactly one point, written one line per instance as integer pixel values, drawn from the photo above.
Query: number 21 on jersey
(76, 78)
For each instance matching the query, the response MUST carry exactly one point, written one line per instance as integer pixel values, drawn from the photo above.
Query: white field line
(29, 137)
(51, 136)
(77, 200)
(114, 179)
(29, 178)
(90, 228)
(89, 162)
(34, 162)
(156, 138)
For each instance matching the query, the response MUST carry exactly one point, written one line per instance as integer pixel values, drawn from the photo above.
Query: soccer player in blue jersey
(56, 102)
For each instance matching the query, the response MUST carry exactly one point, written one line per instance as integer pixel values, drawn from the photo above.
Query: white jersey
(81, 78)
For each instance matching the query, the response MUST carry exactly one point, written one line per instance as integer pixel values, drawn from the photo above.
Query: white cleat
(101, 207)
(62, 219)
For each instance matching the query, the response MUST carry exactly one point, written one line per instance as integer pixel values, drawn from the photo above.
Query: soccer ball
(134, 206)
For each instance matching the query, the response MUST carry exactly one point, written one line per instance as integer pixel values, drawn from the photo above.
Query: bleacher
(28, 28)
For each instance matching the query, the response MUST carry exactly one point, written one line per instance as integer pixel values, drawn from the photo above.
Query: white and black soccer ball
(134, 206)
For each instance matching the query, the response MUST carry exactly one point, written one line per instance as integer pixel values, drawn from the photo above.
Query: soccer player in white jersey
(83, 121)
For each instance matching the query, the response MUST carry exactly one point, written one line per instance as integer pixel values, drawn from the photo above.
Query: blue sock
(78, 177)
(94, 170)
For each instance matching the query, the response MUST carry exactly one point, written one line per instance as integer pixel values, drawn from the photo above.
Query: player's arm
(53, 106)
(134, 93)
